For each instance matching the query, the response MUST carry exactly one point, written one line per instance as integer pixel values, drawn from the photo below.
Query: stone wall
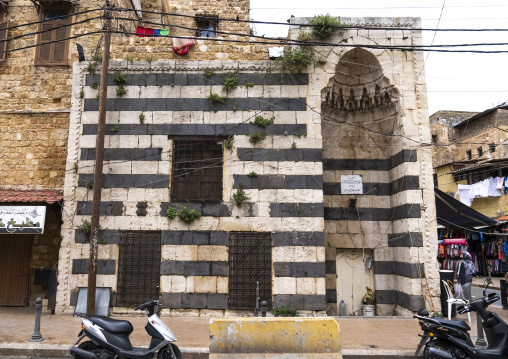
(285, 198)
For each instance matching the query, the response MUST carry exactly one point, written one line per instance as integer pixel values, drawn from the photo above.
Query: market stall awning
(14, 195)
(453, 213)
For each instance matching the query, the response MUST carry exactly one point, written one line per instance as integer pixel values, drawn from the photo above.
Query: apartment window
(4, 24)
(54, 53)
(492, 147)
(469, 155)
(480, 151)
(206, 27)
(434, 138)
(197, 171)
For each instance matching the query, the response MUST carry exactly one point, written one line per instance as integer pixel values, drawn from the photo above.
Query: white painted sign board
(351, 184)
(22, 219)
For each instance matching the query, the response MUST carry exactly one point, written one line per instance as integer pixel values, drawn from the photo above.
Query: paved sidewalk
(386, 337)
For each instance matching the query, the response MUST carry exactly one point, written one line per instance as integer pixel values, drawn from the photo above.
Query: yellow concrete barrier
(272, 338)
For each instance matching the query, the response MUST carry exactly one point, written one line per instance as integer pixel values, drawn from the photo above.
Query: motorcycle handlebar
(151, 303)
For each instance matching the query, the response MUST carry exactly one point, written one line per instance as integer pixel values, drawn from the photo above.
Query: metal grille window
(139, 268)
(250, 261)
(197, 171)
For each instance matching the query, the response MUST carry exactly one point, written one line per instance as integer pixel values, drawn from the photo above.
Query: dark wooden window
(469, 155)
(197, 171)
(480, 151)
(54, 53)
(206, 27)
(492, 147)
(4, 32)
(434, 138)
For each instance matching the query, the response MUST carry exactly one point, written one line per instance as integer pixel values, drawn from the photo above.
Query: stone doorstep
(62, 350)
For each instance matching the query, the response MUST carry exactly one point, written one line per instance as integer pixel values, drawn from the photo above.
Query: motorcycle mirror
(487, 282)
(423, 312)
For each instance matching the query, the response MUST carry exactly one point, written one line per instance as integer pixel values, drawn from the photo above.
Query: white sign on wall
(351, 184)
(22, 219)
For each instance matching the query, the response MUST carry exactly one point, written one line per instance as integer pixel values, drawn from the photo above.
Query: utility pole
(99, 159)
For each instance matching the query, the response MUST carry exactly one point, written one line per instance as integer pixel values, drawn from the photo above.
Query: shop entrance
(352, 278)
(15, 250)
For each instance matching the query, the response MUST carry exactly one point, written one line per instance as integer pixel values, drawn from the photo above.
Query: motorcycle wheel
(438, 344)
(89, 346)
(165, 353)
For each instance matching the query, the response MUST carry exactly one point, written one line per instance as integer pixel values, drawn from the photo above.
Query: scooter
(110, 338)
(448, 339)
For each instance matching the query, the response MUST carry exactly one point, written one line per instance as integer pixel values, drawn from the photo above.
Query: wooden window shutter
(59, 48)
(44, 51)
(3, 37)
(54, 53)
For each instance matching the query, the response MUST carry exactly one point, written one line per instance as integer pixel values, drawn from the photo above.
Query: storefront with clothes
(30, 223)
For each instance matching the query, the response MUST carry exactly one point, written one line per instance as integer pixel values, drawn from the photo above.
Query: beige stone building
(468, 148)
(338, 195)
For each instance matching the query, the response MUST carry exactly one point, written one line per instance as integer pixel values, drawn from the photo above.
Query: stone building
(337, 193)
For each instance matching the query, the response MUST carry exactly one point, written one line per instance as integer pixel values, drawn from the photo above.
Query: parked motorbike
(110, 338)
(448, 339)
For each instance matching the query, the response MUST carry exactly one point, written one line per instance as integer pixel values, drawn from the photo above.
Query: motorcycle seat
(459, 324)
(112, 325)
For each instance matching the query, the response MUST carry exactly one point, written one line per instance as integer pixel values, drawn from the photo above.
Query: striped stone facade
(352, 114)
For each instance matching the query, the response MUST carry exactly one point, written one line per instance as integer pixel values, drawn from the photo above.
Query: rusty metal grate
(250, 261)
(138, 268)
(197, 171)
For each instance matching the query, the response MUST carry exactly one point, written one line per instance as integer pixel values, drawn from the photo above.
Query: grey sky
(462, 82)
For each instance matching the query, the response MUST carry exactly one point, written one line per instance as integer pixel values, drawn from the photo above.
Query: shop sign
(351, 184)
(22, 219)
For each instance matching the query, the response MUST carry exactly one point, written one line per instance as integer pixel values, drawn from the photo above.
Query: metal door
(15, 253)
(250, 261)
(138, 268)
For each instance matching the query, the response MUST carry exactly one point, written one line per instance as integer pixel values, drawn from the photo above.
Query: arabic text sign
(351, 184)
(22, 219)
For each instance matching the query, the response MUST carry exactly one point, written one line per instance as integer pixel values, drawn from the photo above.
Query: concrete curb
(62, 350)
(378, 353)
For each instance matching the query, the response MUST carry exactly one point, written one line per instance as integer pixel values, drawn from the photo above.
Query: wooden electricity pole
(99, 159)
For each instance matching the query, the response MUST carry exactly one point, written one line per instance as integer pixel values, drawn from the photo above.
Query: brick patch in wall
(370, 164)
(300, 301)
(408, 210)
(195, 268)
(411, 302)
(206, 209)
(123, 154)
(198, 104)
(296, 210)
(216, 238)
(104, 266)
(194, 301)
(287, 154)
(111, 236)
(299, 269)
(107, 208)
(378, 189)
(127, 180)
(180, 130)
(409, 239)
(168, 79)
(311, 239)
(402, 269)
(279, 182)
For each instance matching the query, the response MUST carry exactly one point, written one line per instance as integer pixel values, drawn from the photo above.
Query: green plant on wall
(228, 143)
(171, 213)
(208, 72)
(256, 137)
(120, 90)
(214, 98)
(324, 26)
(230, 81)
(239, 196)
(94, 85)
(285, 311)
(141, 118)
(85, 226)
(88, 184)
(185, 215)
(97, 57)
(120, 78)
(91, 67)
(260, 121)
(295, 59)
(252, 174)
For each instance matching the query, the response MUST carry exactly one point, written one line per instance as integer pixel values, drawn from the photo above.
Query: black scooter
(110, 338)
(448, 339)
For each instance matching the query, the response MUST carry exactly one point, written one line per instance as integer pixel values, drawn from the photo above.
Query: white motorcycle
(110, 338)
